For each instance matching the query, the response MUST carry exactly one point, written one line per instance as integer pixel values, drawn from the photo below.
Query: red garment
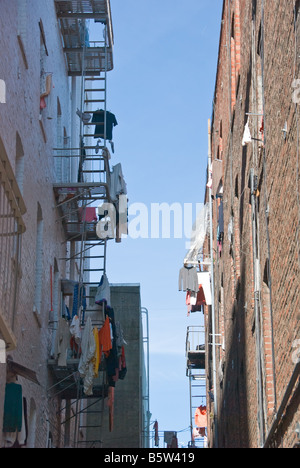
(201, 417)
(200, 297)
(90, 214)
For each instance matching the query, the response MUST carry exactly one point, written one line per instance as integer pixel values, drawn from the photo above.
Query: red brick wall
(238, 92)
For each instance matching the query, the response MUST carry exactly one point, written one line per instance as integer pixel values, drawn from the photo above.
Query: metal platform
(92, 57)
(195, 348)
(67, 380)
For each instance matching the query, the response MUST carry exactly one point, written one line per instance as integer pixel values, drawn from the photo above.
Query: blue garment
(79, 299)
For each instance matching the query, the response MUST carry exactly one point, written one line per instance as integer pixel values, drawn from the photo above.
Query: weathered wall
(239, 92)
(21, 115)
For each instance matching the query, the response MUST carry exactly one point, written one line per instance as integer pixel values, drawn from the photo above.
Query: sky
(161, 92)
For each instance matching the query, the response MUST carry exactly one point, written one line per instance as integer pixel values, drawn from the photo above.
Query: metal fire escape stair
(195, 371)
(79, 189)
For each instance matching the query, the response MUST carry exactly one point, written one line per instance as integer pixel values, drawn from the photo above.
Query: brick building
(253, 369)
(55, 58)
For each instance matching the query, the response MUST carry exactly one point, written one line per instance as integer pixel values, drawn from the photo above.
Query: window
(12, 209)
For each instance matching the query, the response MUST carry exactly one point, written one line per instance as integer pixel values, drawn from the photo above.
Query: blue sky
(161, 91)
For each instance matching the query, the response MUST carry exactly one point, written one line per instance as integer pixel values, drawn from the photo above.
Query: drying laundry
(75, 329)
(201, 416)
(204, 283)
(117, 182)
(79, 300)
(247, 135)
(188, 279)
(86, 366)
(62, 342)
(99, 120)
(88, 214)
(104, 339)
(103, 291)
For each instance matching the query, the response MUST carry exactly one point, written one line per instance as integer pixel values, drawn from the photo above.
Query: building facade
(55, 173)
(253, 186)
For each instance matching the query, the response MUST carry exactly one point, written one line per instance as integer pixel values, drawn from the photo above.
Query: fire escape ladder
(82, 184)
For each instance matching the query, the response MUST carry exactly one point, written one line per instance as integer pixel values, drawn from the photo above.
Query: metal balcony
(83, 56)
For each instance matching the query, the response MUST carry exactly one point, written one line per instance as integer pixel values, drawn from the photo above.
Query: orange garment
(201, 416)
(105, 344)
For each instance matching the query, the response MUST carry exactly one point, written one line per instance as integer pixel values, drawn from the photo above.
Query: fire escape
(83, 182)
(195, 371)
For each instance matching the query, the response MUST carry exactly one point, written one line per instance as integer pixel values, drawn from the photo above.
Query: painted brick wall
(21, 115)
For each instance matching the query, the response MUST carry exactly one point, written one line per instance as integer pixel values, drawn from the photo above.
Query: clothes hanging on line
(247, 135)
(117, 182)
(204, 284)
(86, 366)
(62, 342)
(79, 299)
(16, 439)
(201, 416)
(99, 120)
(188, 279)
(105, 342)
(103, 291)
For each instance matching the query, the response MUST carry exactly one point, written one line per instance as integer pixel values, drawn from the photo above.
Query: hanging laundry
(188, 279)
(112, 360)
(204, 283)
(99, 120)
(79, 299)
(84, 116)
(201, 416)
(62, 342)
(75, 329)
(123, 366)
(119, 338)
(103, 291)
(88, 214)
(117, 182)
(87, 359)
(210, 179)
(18, 439)
(247, 135)
(104, 339)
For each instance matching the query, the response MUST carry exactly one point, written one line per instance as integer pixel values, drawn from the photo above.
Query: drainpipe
(257, 308)
(147, 396)
(213, 297)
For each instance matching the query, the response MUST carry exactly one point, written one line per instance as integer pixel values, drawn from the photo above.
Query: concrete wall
(274, 161)
(127, 432)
